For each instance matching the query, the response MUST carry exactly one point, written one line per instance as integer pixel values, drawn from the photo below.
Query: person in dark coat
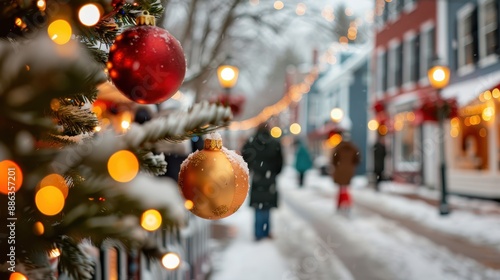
(303, 161)
(263, 153)
(379, 153)
(345, 158)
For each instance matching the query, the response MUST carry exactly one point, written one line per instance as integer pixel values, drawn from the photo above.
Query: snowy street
(389, 235)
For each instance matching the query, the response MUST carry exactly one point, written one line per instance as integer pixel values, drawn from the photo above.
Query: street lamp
(228, 76)
(439, 76)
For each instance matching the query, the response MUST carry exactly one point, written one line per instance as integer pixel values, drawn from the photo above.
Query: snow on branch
(200, 119)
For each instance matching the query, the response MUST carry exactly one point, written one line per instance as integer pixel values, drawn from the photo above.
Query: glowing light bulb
(60, 31)
(151, 220)
(89, 14)
(49, 200)
(171, 261)
(123, 166)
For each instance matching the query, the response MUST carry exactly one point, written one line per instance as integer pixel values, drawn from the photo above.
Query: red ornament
(147, 64)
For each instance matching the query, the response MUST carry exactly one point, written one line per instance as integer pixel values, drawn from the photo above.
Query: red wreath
(431, 106)
(235, 102)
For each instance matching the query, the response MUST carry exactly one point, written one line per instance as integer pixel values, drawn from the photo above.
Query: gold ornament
(215, 180)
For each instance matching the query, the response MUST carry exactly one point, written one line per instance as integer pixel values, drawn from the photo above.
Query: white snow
(311, 241)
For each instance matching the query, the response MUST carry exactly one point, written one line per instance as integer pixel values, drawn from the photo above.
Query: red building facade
(405, 48)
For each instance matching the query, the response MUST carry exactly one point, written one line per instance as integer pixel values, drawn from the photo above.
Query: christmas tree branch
(202, 118)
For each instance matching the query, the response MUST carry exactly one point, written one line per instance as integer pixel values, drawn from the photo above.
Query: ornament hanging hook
(145, 19)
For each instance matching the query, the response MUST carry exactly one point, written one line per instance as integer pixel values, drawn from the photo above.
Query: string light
(12, 173)
(171, 261)
(55, 180)
(301, 9)
(38, 228)
(123, 166)
(60, 31)
(151, 220)
(41, 5)
(89, 14)
(49, 200)
(276, 132)
(295, 128)
(18, 276)
(278, 5)
(373, 125)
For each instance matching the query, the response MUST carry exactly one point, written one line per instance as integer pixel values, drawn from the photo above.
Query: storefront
(474, 150)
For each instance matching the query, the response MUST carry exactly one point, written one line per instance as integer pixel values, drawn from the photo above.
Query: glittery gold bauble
(213, 181)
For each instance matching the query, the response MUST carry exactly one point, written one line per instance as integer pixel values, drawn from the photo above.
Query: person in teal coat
(303, 161)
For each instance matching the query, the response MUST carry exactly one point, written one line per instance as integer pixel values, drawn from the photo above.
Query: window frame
(409, 55)
(484, 59)
(392, 66)
(462, 68)
(425, 33)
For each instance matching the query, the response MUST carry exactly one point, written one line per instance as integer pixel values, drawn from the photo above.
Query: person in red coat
(345, 158)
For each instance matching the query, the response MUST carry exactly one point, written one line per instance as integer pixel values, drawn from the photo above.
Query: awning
(468, 90)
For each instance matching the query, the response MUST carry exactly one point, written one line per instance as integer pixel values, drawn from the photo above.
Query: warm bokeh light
(125, 124)
(336, 114)
(11, 177)
(343, 40)
(334, 140)
(276, 132)
(89, 14)
(454, 131)
(487, 95)
(49, 200)
(495, 93)
(55, 104)
(171, 261)
(454, 122)
(54, 253)
(227, 75)
(300, 9)
(348, 12)
(60, 31)
(38, 228)
(278, 5)
(483, 132)
(41, 5)
(373, 125)
(178, 95)
(410, 116)
(382, 129)
(398, 125)
(18, 22)
(18, 276)
(188, 204)
(55, 180)
(488, 113)
(295, 128)
(151, 220)
(439, 76)
(123, 166)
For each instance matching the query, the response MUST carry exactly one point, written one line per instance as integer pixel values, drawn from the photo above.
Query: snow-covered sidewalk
(312, 242)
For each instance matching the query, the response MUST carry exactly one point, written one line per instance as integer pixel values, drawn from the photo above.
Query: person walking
(303, 161)
(379, 153)
(263, 153)
(345, 158)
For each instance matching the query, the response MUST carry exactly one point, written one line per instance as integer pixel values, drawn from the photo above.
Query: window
(416, 61)
(467, 28)
(399, 65)
(395, 58)
(427, 49)
(411, 60)
(488, 25)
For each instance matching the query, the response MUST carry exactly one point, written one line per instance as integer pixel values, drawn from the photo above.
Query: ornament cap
(213, 144)
(145, 19)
